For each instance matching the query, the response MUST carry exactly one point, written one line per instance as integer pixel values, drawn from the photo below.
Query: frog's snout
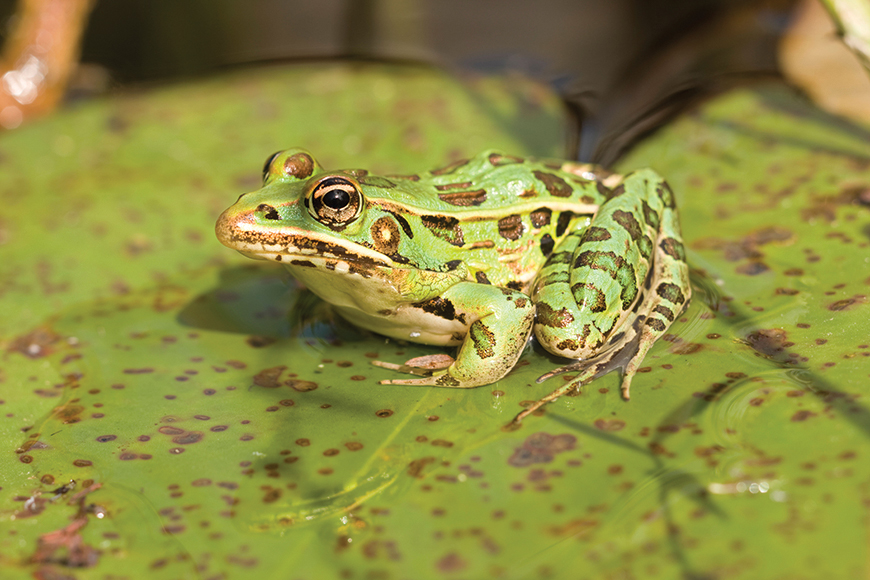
(230, 227)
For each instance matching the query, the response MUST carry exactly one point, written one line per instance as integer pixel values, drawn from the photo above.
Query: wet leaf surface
(219, 423)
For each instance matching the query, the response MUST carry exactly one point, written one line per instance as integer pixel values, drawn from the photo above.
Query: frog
(479, 254)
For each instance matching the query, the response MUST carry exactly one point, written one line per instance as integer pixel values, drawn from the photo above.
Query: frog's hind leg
(667, 291)
(634, 239)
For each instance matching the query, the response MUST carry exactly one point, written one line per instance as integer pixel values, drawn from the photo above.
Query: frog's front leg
(499, 324)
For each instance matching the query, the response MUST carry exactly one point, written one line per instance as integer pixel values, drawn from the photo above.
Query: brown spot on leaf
(188, 438)
(609, 424)
(541, 448)
(300, 386)
(802, 415)
(415, 468)
(260, 341)
(687, 348)
(752, 268)
(767, 342)
(452, 562)
(36, 343)
(268, 378)
(847, 303)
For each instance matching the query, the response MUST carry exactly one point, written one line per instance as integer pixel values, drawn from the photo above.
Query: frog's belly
(410, 323)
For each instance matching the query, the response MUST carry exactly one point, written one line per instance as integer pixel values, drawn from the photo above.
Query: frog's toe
(407, 369)
(426, 381)
(437, 379)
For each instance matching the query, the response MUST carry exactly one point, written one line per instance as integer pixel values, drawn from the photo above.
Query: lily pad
(214, 432)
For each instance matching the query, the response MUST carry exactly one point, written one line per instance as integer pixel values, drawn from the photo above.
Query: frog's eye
(268, 164)
(335, 201)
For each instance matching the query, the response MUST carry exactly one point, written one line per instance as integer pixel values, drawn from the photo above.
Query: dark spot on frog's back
(547, 244)
(445, 227)
(269, 212)
(563, 222)
(497, 159)
(511, 227)
(439, 222)
(300, 166)
(557, 186)
(541, 217)
(481, 278)
(451, 186)
(464, 198)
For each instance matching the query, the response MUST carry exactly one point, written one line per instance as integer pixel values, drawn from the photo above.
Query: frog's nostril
(270, 212)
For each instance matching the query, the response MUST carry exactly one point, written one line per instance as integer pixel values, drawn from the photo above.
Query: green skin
(479, 254)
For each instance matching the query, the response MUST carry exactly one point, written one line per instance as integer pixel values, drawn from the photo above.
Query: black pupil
(336, 198)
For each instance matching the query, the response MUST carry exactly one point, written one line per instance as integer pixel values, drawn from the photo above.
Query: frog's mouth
(295, 247)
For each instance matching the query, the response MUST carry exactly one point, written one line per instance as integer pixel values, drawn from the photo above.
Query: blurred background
(622, 66)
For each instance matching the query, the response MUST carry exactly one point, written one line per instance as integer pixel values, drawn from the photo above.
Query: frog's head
(306, 216)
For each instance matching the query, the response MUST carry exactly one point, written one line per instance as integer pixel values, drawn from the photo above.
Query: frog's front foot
(434, 370)
(422, 366)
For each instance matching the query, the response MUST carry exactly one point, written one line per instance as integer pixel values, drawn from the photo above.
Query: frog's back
(494, 183)
(499, 214)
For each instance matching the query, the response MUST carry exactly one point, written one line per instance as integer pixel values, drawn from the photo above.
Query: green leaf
(214, 432)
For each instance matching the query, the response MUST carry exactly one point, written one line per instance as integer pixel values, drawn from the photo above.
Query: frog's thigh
(502, 321)
(587, 290)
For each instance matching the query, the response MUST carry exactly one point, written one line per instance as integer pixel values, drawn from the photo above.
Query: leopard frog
(479, 254)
